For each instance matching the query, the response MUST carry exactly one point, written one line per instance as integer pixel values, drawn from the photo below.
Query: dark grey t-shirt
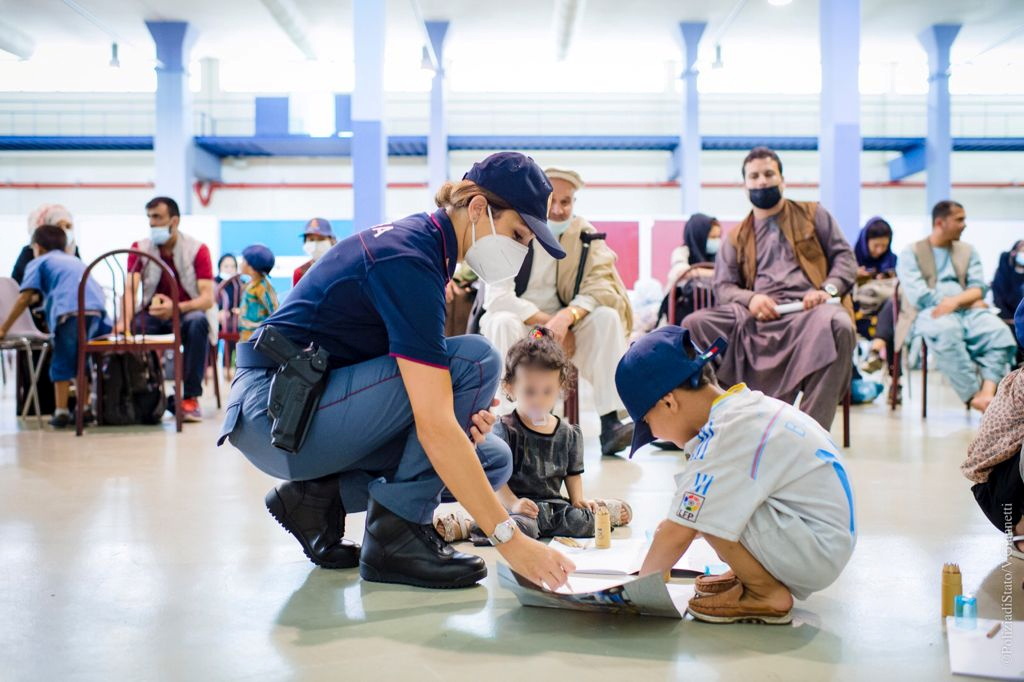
(541, 462)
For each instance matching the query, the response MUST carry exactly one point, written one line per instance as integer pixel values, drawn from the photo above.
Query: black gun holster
(295, 388)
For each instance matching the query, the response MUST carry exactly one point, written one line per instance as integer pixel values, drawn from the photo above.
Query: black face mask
(765, 197)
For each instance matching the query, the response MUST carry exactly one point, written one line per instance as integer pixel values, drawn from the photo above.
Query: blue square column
(173, 147)
(937, 41)
(369, 141)
(437, 140)
(839, 142)
(688, 151)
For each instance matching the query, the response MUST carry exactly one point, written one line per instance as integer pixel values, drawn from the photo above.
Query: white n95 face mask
(316, 250)
(495, 258)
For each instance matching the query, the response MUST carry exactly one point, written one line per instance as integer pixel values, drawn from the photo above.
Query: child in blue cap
(995, 462)
(259, 299)
(763, 482)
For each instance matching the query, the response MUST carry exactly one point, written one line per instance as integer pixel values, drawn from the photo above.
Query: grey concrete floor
(141, 554)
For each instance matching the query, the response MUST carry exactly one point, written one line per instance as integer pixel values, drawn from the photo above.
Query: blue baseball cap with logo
(318, 226)
(653, 367)
(518, 180)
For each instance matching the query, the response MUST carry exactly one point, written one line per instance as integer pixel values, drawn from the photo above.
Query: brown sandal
(725, 608)
(707, 585)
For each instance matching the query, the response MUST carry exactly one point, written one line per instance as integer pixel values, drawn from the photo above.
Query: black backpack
(686, 293)
(133, 389)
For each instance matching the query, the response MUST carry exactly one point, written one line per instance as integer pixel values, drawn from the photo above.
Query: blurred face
(716, 231)
(953, 225)
(536, 390)
(878, 246)
(563, 197)
(317, 238)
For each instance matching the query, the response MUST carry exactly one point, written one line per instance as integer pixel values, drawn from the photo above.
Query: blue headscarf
(887, 262)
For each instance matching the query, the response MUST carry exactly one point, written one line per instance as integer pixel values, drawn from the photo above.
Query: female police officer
(402, 407)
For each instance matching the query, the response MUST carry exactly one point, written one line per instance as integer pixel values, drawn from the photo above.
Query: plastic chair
(127, 341)
(24, 336)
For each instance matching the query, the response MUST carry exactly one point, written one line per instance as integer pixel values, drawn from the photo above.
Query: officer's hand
(537, 562)
(763, 308)
(483, 422)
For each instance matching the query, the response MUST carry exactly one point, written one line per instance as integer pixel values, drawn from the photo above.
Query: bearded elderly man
(783, 252)
(585, 304)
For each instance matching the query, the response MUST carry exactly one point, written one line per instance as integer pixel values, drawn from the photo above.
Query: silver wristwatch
(503, 532)
(831, 290)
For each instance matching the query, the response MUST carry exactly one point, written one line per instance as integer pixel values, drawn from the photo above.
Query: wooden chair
(704, 296)
(125, 342)
(23, 336)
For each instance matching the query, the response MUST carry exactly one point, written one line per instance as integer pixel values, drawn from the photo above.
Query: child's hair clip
(537, 333)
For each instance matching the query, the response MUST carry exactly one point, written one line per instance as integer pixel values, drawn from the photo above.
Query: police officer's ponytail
(454, 195)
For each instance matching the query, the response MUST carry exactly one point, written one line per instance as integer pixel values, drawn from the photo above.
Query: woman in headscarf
(875, 258)
(702, 236)
(47, 214)
(876, 284)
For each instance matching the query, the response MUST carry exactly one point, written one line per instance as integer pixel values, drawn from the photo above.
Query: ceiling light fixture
(779, 3)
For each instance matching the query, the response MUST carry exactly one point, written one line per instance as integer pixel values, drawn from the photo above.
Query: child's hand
(526, 507)
(483, 422)
(586, 504)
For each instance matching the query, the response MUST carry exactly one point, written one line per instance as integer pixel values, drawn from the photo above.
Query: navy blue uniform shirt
(379, 292)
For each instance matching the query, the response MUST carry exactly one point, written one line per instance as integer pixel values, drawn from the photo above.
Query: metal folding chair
(124, 296)
(24, 336)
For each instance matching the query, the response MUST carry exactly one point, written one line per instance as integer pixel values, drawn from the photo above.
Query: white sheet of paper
(971, 652)
(626, 556)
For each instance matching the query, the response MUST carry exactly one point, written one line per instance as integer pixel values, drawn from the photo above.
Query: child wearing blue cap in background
(259, 299)
(995, 463)
(763, 482)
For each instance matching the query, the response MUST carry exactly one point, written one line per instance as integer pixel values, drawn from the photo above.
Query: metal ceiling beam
(568, 15)
(15, 41)
(293, 23)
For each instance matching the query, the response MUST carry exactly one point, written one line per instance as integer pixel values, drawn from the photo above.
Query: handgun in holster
(295, 388)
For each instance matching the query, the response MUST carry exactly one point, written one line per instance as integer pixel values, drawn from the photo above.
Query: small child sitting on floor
(259, 299)
(546, 452)
(54, 276)
(763, 483)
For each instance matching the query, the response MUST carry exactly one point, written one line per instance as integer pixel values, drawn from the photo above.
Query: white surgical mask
(316, 250)
(557, 228)
(495, 258)
(160, 235)
(1020, 259)
(70, 248)
(712, 245)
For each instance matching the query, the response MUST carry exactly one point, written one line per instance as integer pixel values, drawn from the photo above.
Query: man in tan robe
(783, 252)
